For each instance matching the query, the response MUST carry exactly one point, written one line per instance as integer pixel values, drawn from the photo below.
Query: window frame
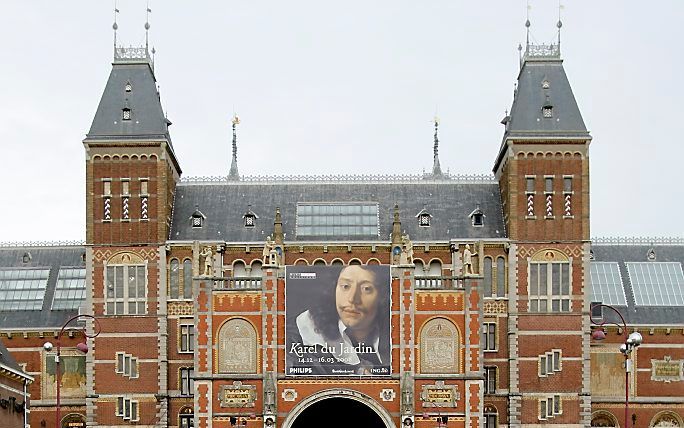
(490, 336)
(125, 298)
(186, 332)
(490, 380)
(186, 383)
(548, 298)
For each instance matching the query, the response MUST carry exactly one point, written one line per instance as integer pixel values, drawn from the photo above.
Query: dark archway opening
(338, 412)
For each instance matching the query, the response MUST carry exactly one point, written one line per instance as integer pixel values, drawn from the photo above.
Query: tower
(131, 175)
(543, 173)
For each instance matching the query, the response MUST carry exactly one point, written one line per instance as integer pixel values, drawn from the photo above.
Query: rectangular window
(529, 184)
(187, 421)
(126, 365)
(70, 289)
(557, 408)
(143, 186)
(186, 381)
(490, 420)
(567, 184)
(339, 220)
(107, 187)
(126, 290)
(187, 338)
(548, 184)
(549, 287)
(556, 361)
(125, 186)
(489, 336)
(127, 409)
(490, 380)
(542, 409)
(542, 365)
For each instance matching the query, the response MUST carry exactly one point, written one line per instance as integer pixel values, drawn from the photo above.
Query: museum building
(191, 293)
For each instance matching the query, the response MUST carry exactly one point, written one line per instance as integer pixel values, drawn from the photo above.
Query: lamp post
(83, 347)
(631, 343)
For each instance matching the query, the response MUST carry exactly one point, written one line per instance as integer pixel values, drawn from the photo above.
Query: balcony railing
(240, 283)
(438, 282)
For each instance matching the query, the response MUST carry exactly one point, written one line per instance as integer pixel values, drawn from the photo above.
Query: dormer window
(424, 218)
(26, 257)
(546, 84)
(197, 218)
(128, 88)
(477, 217)
(547, 111)
(126, 114)
(250, 218)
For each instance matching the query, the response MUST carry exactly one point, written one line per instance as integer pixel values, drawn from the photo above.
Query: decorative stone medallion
(439, 347)
(289, 394)
(387, 394)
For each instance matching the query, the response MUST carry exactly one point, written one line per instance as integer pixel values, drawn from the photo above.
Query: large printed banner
(338, 320)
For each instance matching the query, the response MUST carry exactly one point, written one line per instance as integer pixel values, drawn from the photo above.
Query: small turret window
(129, 88)
(547, 111)
(126, 114)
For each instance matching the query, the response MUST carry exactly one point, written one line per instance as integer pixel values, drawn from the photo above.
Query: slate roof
(448, 201)
(526, 119)
(7, 360)
(41, 257)
(147, 116)
(633, 314)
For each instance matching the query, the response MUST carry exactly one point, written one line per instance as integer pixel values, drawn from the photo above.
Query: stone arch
(666, 418)
(125, 258)
(338, 393)
(301, 262)
(237, 347)
(337, 262)
(355, 261)
(319, 262)
(373, 261)
(440, 346)
(549, 255)
(603, 418)
(435, 267)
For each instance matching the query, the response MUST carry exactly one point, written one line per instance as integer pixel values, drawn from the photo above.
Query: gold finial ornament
(236, 119)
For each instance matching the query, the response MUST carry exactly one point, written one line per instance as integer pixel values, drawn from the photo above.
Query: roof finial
(115, 26)
(436, 168)
(147, 25)
(560, 22)
(233, 174)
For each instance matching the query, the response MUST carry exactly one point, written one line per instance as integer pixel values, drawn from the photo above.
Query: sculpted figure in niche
(468, 261)
(406, 257)
(270, 255)
(208, 256)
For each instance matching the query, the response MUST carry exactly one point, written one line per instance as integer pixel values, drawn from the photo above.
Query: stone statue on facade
(270, 254)
(468, 261)
(406, 256)
(208, 256)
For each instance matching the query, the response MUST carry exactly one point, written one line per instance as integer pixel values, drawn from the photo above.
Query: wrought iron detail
(343, 178)
(122, 53)
(640, 240)
(42, 244)
(543, 51)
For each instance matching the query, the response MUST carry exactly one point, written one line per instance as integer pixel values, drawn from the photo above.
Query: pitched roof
(448, 201)
(147, 119)
(542, 81)
(633, 313)
(46, 257)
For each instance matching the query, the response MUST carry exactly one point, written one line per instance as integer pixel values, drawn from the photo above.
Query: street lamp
(83, 347)
(631, 343)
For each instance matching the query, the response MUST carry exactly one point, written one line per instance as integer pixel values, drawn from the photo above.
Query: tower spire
(527, 26)
(436, 168)
(233, 174)
(147, 26)
(115, 26)
(559, 24)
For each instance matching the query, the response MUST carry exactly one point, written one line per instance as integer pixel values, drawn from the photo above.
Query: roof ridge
(639, 240)
(337, 178)
(16, 244)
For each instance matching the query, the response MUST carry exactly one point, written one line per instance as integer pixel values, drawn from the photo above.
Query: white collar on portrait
(307, 329)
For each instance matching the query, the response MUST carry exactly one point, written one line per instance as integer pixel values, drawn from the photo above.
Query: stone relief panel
(237, 347)
(439, 347)
(607, 374)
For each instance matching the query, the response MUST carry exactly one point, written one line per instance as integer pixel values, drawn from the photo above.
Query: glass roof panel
(657, 283)
(23, 289)
(606, 284)
(70, 289)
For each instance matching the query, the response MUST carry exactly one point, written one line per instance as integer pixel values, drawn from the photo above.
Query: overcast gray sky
(341, 87)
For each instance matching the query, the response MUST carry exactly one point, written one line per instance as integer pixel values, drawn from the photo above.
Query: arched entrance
(338, 408)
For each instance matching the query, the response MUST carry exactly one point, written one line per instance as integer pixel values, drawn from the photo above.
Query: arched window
(666, 419)
(439, 347)
(239, 275)
(487, 281)
(187, 279)
(186, 418)
(319, 262)
(549, 282)
(337, 262)
(603, 418)
(490, 416)
(174, 278)
(237, 347)
(354, 262)
(500, 277)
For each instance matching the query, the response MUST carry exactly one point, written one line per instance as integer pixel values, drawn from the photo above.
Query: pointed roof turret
(436, 168)
(130, 107)
(233, 175)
